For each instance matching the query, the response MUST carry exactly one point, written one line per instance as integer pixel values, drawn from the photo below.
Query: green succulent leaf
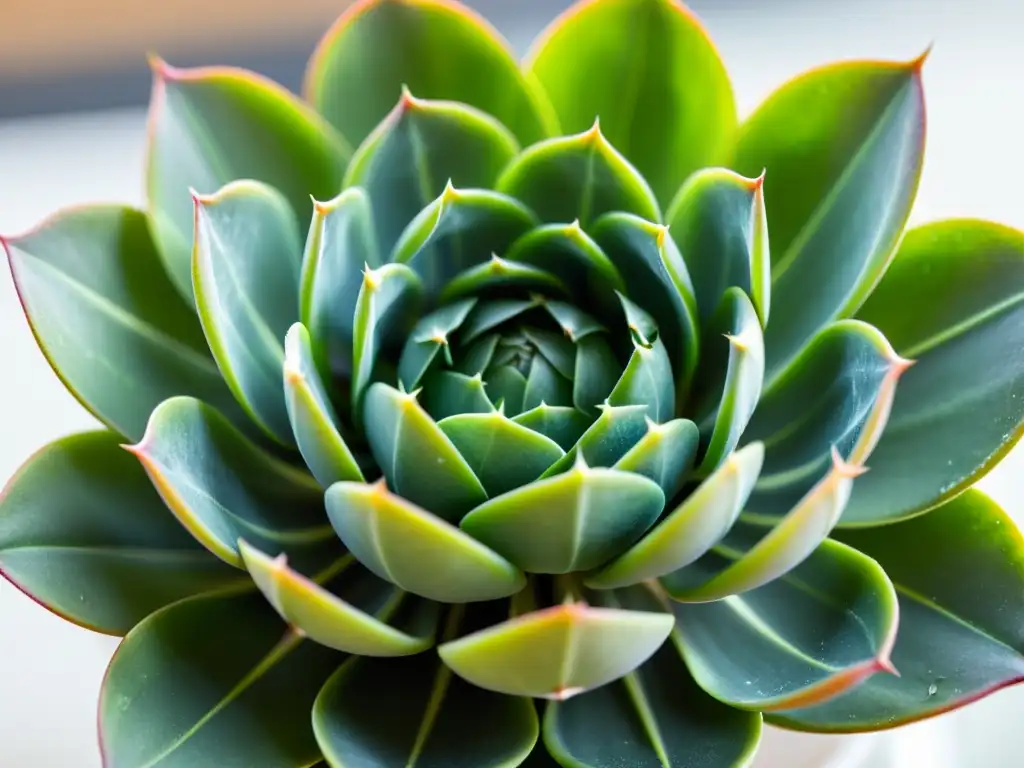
(563, 424)
(544, 384)
(105, 316)
(418, 149)
(558, 652)
(415, 712)
(815, 633)
(222, 488)
(416, 550)
(488, 315)
(450, 393)
(959, 576)
(245, 267)
(608, 439)
(313, 419)
(378, 47)
(951, 301)
(502, 453)
(83, 533)
(341, 243)
(497, 275)
(596, 373)
(578, 177)
(647, 379)
(649, 70)
(556, 349)
(719, 222)
(665, 454)
(430, 336)
(574, 322)
(214, 678)
(358, 624)
(417, 458)
(843, 147)
(574, 521)
(692, 528)
(654, 716)
(211, 126)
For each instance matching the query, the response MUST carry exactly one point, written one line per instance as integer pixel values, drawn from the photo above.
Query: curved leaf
(649, 70)
(214, 125)
(378, 46)
(419, 148)
(415, 712)
(577, 177)
(814, 634)
(83, 533)
(664, 454)
(498, 274)
(959, 576)
(843, 147)
(105, 316)
(488, 315)
(215, 678)
(341, 243)
(951, 301)
(506, 387)
(544, 384)
(428, 338)
(718, 220)
(417, 458)
(358, 625)
(608, 439)
(245, 269)
(596, 373)
(647, 379)
(415, 550)
(558, 652)
(562, 424)
(222, 488)
(449, 393)
(571, 522)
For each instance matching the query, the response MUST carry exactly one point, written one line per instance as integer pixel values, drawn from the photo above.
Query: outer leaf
(222, 488)
(959, 575)
(245, 269)
(578, 177)
(378, 46)
(211, 126)
(215, 678)
(718, 220)
(103, 313)
(419, 148)
(415, 550)
(417, 458)
(559, 652)
(952, 301)
(843, 146)
(357, 626)
(341, 243)
(572, 522)
(314, 422)
(648, 69)
(655, 716)
(415, 712)
(83, 533)
(805, 638)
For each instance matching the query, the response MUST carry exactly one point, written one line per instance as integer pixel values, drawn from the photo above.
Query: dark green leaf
(647, 379)
(428, 338)
(596, 374)
(488, 315)
(498, 274)
(562, 424)
(609, 438)
(665, 454)
(544, 384)
(447, 393)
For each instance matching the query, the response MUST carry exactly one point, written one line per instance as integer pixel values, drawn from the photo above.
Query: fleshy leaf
(414, 711)
(558, 652)
(417, 458)
(959, 576)
(647, 379)
(503, 454)
(358, 625)
(222, 488)
(817, 632)
(693, 528)
(544, 384)
(718, 220)
(843, 147)
(215, 678)
(488, 315)
(415, 550)
(571, 522)
(608, 439)
(419, 148)
(951, 301)
(379, 46)
(649, 70)
(211, 126)
(578, 177)
(245, 268)
(596, 373)
(506, 387)
(498, 274)
(83, 533)
(665, 454)
(654, 716)
(341, 243)
(105, 316)
(429, 337)
(562, 424)
(448, 393)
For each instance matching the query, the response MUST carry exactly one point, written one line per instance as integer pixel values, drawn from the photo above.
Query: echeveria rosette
(477, 413)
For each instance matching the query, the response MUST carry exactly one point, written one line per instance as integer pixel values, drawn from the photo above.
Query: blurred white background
(50, 671)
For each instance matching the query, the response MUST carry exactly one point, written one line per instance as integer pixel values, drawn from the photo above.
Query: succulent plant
(472, 413)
